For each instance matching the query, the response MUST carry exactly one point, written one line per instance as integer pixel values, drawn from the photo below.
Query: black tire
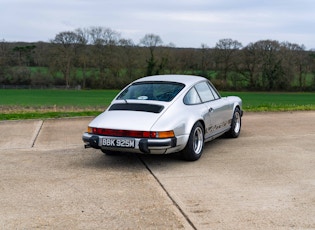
(236, 125)
(194, 146)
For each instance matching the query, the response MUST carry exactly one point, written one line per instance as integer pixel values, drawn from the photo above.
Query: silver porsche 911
(165, 114)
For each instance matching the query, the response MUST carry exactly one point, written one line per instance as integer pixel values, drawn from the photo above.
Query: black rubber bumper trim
(144, 144)
(94, 142)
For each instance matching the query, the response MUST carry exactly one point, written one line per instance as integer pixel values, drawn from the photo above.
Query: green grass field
(271, 101)
(76, 98)
(24, 104)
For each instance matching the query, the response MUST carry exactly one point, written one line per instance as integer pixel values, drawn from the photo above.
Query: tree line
(99, 58)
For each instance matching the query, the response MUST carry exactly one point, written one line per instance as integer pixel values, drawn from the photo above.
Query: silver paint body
(215, 115)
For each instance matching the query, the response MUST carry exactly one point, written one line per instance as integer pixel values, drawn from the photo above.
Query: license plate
(119, 143)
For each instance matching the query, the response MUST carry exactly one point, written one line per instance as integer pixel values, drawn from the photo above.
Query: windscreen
(157, 91)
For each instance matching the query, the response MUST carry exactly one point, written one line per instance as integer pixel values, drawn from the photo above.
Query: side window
(204, 92)
(214, 92)
(192, 97)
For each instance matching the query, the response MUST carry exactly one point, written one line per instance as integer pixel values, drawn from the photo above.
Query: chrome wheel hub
(198, 140)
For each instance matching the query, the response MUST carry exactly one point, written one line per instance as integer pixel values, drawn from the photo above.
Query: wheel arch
(237, 104)
(191, 122)
(202, 123)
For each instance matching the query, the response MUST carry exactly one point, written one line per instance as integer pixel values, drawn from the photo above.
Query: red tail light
(130, 133)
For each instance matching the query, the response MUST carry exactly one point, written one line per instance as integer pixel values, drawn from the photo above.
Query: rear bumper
(142, 145)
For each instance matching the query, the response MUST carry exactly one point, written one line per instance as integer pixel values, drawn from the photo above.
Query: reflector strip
(130, 133)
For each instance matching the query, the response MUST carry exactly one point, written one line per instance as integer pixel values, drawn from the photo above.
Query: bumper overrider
(142, 145)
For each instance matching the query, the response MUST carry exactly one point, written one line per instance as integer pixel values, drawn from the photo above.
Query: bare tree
(225, 50)
(250, 65)
(271, 63)
(172, 59)
(296, 63)
(3, 52)
(83, 55)
(167, 63)
(3, 60)
(108, 61)
(186, 60)
(151, 41)
(128, 56)
(40, 56)
(65, 44)
(104, 41)
(312, 67)
(205, 60)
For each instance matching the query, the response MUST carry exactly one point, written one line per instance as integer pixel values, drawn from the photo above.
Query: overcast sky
(185, 23)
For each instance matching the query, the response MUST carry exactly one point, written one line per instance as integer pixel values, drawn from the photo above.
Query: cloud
(186, 23)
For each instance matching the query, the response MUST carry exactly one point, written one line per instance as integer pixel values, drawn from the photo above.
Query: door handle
(211, 110)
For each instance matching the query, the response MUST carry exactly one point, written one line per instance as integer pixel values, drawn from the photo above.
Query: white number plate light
(120, 143)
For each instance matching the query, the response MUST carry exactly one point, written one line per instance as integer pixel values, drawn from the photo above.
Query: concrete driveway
(265, 179)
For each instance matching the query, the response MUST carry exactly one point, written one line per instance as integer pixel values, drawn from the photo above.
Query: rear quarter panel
(180, 118)
(235, 101)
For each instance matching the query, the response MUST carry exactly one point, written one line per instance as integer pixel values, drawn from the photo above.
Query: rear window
(156, 91)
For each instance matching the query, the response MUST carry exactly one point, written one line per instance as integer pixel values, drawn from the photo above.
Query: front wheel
(194, 147)
(236, 124)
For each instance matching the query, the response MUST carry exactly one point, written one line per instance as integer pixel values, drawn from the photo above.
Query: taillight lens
(165, 134)
(89, 130)
(131, 133)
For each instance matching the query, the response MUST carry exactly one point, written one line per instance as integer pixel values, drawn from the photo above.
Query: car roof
(185, 79)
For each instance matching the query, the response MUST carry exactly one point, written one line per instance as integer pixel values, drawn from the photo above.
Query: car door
(223, 110)
(217, 109)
